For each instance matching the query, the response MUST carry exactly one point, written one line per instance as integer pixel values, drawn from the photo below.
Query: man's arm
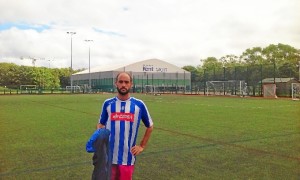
(137, 149)
(99, 125)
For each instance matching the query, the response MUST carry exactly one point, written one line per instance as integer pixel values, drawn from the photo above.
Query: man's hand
(136, 150)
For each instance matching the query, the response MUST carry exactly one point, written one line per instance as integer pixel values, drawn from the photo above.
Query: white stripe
(150, 119)
(108, 123)
(126, 148)
(117, 136)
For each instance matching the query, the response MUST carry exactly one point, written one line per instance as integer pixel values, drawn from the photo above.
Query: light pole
(71, 33)
(49, 60)
(274, 71)
(224, 78)
(204, 76)
(299, 70)
(89, 40)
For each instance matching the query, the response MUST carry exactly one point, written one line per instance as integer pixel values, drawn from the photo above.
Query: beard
(123, 92)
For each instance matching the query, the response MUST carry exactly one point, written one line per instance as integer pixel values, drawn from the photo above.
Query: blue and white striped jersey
(123, 118)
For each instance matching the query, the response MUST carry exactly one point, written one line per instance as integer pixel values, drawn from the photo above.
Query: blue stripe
(121, 142)
(123, 104)
(132, 110)
(104, 115)
(112, 129)
(112, 139)
(137, 129)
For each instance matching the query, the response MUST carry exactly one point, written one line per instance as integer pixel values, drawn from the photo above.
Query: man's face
(123, 84)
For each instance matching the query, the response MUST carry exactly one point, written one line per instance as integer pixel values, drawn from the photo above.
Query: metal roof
(150, 65)
(277, 80)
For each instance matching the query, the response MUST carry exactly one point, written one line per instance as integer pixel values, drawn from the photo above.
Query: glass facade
(144, 82)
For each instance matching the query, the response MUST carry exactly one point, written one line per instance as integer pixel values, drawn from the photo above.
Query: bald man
(122, 116)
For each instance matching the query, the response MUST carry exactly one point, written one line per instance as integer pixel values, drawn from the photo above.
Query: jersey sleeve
(145, 115)
(104, 114)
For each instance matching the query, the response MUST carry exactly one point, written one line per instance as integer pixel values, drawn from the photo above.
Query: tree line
(12, 76)
(282, 60)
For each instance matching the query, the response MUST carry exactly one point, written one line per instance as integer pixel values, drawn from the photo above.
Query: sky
(178, 32)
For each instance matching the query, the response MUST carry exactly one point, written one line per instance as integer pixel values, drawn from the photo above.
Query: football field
(194, 137)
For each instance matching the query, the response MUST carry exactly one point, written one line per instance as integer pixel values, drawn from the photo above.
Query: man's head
(123, 83)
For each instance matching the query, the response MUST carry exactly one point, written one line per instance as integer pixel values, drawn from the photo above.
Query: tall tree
(252, 56)
(281, 54)
(211, 63)
(193, 70)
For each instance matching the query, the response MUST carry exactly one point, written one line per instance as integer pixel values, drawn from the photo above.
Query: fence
(38, 91)
(228, 79)
(253, 76)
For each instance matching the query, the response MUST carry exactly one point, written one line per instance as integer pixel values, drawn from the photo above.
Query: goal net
(296, 91)
(28, 89)
(150, 89)
(231, 87)
(269, 90)
(73, 89)
(86, 88)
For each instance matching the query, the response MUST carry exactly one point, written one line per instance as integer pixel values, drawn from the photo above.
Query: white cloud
(180, 32)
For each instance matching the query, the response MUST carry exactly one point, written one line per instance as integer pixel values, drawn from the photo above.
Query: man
(122, 115)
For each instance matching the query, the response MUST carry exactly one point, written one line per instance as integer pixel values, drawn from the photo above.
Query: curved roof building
(152, 75)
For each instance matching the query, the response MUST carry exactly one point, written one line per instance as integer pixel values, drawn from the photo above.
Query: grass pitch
(194, 137)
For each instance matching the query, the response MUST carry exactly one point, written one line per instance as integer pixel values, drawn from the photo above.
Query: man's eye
(126, 82)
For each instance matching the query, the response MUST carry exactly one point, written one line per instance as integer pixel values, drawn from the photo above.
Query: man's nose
(123, 84)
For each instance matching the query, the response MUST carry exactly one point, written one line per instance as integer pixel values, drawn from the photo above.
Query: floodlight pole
(214, 72)
(90, 83)
(274, 71)
(224, 78)
(274, 67)
(299, 70)
(204, 76)
(71, 33)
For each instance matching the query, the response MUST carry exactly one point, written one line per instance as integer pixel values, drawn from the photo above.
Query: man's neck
(123, 97)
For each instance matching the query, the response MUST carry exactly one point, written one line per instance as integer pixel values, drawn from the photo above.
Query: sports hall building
(149, 76)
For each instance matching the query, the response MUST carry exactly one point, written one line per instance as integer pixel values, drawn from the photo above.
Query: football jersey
(123, 118)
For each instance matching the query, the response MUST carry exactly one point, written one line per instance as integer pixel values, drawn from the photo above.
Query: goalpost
(29, 89)
(269, 90)
(150, 89)
(231, 87)
(295, 91)
(73, 89)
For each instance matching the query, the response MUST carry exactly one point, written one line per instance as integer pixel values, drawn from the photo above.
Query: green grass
(194, 137)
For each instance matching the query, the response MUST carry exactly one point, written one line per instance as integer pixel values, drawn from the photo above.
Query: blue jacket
(102, 134)
(99, 145)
